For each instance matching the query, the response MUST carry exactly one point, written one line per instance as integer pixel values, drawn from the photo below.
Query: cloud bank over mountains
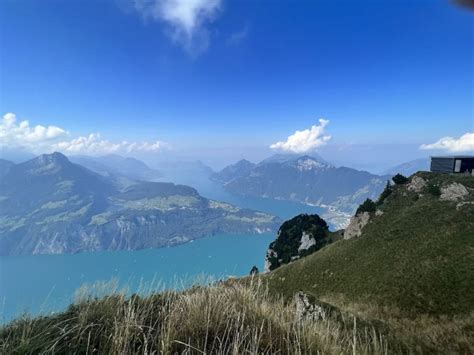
(465, 143)
(187, 20)
(93, 144)
(22, 134)
(45, 139)
(304, 141)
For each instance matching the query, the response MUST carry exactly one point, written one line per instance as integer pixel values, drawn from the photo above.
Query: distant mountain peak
(55, 157)
(410, 167)
(116, 166)
(279, 158)
(301, 162)
(306, 162)
(305, 178)
(47, 163)
(239, 169)
(244, 162)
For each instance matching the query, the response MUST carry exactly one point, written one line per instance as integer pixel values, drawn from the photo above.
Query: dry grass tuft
(217, 319)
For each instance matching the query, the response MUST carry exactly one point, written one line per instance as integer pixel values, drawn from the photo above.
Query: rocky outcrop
(453, 192)
(417, 184)
(464, 203)
(271, 254)
(357, 223)
(306, 242)
(306, 310)
(300, 236)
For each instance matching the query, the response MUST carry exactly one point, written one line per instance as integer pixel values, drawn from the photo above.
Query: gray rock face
(270, 254)
(453, 192)
(306, 311)
(417, 184)
(306, 242)
(357, 223)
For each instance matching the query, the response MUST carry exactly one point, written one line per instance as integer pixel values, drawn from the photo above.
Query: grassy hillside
(414, 261)
(418, 255)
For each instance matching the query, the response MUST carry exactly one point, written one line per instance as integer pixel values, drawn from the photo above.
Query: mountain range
(116, 166)
(50, 205)
(409, 167)
(306, 179)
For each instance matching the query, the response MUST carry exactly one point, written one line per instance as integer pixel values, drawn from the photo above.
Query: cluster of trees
(289, 238)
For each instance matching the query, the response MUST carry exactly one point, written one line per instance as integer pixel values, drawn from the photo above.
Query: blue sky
(220, 80)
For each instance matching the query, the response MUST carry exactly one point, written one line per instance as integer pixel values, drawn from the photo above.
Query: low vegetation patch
(433, 189)
(399, 179)
(217, 319)
(385, 193)
(367, 206)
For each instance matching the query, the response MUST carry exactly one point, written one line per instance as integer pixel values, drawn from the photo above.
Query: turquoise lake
(46, 283)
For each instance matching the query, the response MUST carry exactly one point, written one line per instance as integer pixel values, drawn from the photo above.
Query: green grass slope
(417, 257)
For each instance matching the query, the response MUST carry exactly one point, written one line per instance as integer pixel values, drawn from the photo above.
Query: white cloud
(41, 139)
(187, 19)
(465, 143)
(94, 145)
(24, 135)
(304, 141)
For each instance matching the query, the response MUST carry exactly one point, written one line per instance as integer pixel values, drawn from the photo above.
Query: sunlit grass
(228, 318)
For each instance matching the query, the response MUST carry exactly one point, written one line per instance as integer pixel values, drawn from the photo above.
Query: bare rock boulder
(356, 224)
(307, 311)
(270, 254)
(417, 184)
(454, 192)
(306, 242)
